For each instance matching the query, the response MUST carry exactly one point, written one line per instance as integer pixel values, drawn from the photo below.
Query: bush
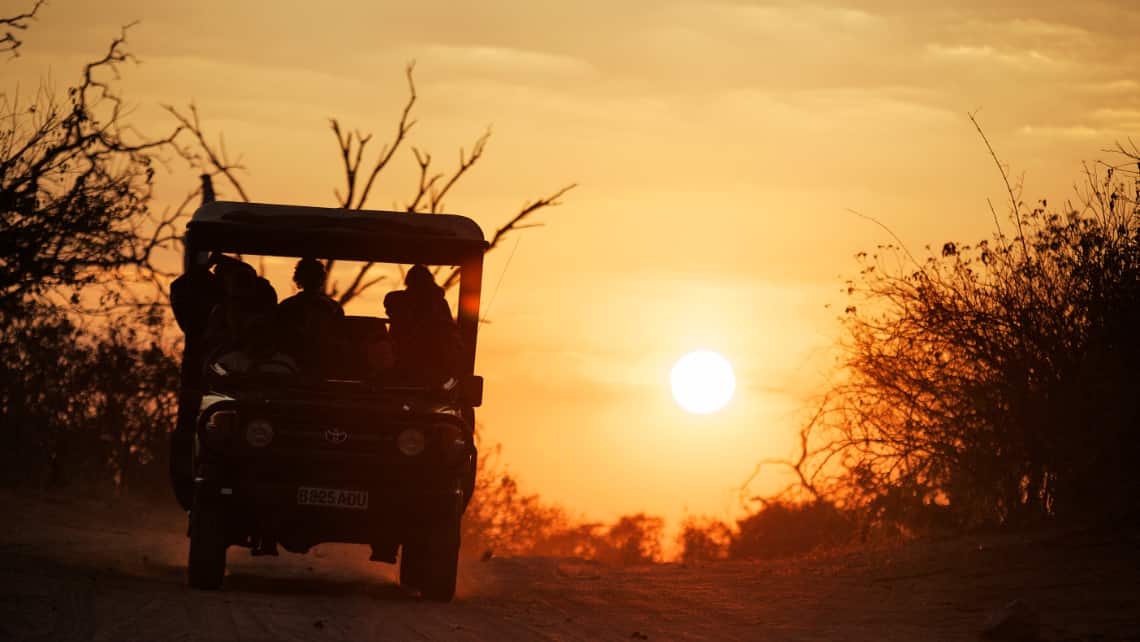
(501, 520)
(704, 539)
(992, 383)
(784, 529)
(82, 407)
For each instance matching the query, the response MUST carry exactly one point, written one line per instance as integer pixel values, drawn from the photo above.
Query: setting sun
(702, 382)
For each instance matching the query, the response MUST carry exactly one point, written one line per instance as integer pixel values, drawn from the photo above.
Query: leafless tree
(362, 177)
(76, 186)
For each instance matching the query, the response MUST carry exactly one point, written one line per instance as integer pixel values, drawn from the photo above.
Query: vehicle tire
(206, 566)
(429, 561)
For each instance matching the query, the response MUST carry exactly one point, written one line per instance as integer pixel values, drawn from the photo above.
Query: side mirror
(471, 391)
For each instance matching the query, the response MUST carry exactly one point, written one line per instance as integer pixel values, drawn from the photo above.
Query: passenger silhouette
(243, 320)
(192, 297)
(422, 329)
(219, 311)
(307, 319)
(425, 299)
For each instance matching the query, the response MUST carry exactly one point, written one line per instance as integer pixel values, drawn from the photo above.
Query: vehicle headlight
(411, 442)
(259, 433)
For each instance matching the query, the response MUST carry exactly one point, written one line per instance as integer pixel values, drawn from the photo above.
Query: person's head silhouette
(309, 275)
(419, 278)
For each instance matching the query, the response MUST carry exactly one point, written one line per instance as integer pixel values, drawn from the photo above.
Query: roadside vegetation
(991, 383)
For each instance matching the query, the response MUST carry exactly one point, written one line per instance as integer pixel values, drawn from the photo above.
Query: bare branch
(10, 42)
(1015, 206)
(548, 201)
(76, 187)
(402, 127)
(465, 163)
(515, 223)
(426, 182)
(888, 230)
(355, 288)
(216, 161)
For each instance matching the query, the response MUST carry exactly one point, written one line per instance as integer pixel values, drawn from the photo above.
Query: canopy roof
(321, 232)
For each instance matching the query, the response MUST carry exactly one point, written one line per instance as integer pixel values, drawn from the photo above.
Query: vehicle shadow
(273, 582)
(276, 582)
(326, 586)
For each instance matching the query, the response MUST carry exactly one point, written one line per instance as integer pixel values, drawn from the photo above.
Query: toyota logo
(335, 436)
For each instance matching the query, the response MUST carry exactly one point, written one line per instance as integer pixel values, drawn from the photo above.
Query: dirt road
(80, 570)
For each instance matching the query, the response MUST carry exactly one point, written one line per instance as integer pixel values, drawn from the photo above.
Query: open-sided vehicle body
(300, 458)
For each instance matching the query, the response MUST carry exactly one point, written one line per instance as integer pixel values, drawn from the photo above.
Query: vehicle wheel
(429, 561)
(207, 563)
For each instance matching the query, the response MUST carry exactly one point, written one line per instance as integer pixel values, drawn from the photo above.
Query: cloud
(1109, 114)
(1027, 59)
(1104, 123)
(1080, 132)
(787, 19)
(1033, 27)
(502, 60)
(830, 109)
(1113, 87)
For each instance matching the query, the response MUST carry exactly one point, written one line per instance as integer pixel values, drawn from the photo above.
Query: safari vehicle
(300, 458)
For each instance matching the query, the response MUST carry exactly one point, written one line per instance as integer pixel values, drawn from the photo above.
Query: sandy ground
(85, 570)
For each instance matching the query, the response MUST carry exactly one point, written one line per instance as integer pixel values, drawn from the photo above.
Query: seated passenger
(240, 322)
(425, 300)
(365, 350)
(193, 296)
(423, 331)
(307, 318)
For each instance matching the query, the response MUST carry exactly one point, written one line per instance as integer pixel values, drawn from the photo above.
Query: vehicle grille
(340, 447)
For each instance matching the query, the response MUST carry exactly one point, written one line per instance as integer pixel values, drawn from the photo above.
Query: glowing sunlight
(702, 382)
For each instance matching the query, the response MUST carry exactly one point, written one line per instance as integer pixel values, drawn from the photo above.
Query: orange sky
(718, 146)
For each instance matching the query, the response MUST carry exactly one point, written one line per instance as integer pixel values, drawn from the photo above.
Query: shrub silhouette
(501, 520)
(991, 383)
(84, 408)
(704, 539)
(633, 539)
(785, 529)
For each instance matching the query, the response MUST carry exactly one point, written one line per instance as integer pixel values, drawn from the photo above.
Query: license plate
(333, 497)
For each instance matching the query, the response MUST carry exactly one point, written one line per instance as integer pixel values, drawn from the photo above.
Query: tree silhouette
(992, 383)
(361, 181)
(81, 400)
(76, 186)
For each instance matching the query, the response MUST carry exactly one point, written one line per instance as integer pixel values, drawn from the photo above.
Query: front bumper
(271, 511)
